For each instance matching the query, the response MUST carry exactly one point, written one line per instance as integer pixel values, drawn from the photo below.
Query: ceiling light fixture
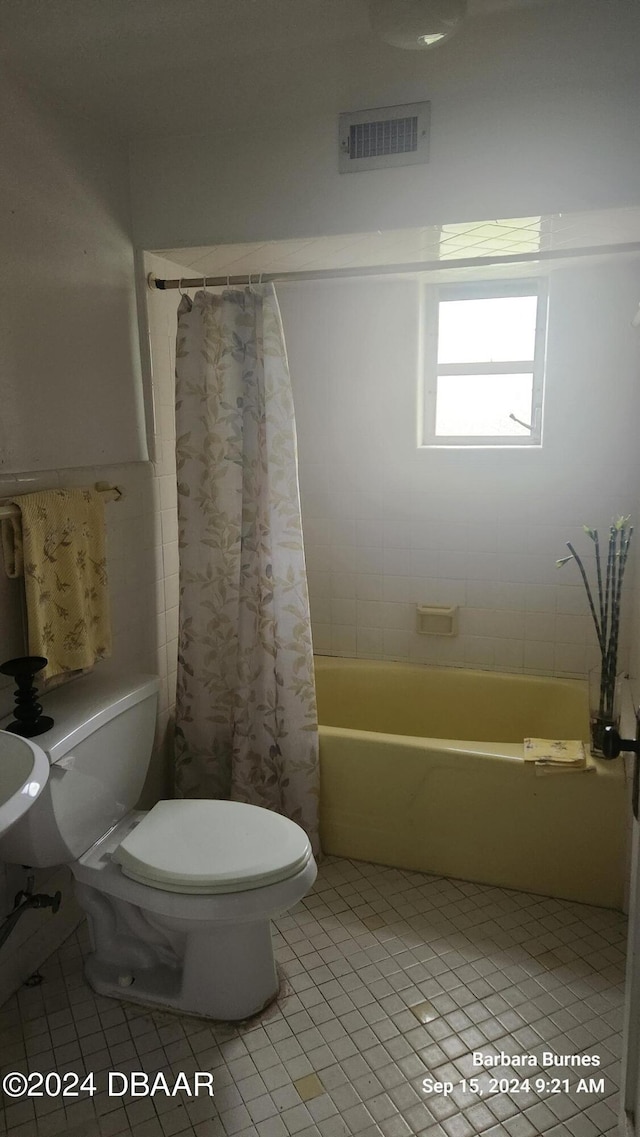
(416, 24)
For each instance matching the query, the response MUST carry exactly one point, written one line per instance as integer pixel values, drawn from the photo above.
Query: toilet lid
(212, 846)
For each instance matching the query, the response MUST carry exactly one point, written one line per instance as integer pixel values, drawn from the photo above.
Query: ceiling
(145, 67)
(447, 244)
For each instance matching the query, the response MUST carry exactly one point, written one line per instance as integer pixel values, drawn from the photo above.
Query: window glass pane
(491, 330)
(481, 404)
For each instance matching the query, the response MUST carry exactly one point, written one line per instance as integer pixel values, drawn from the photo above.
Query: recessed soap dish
(433, 620)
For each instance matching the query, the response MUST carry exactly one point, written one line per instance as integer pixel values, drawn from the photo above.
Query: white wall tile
(539, 626)
(479, 651)
(319, 583)
(540, 598)
(396, 562)
(398, 588)
(369, 614)
(570, 659)
(509, 654)
(170, 559)
(316, 530)
(572, 629)
(343, 639)
(423, 562)
(319, 558)
(401, 617)
(477, 529)
(572, 600)
(539, 656)
(342, 531)
(322, 642)
(370, 559)
(320, 611)
(395, 643)
(342, 558)
(343, 611)
(396, 533)
(172, 590)
(342, 585)
(369, 642)
(368, 586)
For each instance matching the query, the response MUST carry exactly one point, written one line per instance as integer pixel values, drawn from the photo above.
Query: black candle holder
(29, 720)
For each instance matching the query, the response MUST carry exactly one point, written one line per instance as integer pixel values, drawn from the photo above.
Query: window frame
(482, 290)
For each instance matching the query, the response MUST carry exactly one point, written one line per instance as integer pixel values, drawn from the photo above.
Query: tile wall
(371, 562)
(131, 556)
(142, 560)
(389, 526)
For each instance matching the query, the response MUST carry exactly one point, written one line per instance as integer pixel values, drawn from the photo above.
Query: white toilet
(179, 899)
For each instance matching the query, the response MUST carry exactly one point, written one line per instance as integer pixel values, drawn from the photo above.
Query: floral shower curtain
(246, 722)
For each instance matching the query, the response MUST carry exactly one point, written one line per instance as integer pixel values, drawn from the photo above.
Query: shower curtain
(246, 721)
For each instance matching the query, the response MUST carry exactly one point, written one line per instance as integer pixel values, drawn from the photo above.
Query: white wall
(388, 526)
(532, 112)
(71, 401)
(69, 359)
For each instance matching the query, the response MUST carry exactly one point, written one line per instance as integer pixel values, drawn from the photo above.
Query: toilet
(179, 899)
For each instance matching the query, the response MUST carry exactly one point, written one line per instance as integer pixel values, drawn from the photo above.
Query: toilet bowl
(179, 899)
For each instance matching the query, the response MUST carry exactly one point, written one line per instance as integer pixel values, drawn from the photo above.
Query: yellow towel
(556, 755)
(59, 545)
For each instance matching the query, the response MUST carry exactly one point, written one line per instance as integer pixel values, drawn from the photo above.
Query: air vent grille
(393, 136)
(384, 136)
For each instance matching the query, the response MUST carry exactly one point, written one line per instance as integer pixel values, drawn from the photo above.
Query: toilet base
(158, 987)
(223, 971)
(201, 954)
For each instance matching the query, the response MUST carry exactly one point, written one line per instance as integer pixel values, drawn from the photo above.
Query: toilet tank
(99, 749)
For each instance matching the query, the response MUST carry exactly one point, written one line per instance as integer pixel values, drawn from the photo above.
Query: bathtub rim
(342, 661)
(507, 752)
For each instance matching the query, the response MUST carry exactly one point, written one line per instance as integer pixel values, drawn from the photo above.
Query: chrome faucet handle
(613, 745)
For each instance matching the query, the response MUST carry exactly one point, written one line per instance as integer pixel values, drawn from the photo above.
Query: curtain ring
(260, 279)
(228, 281)
(204, 283)
(180, 287)
(249, 281)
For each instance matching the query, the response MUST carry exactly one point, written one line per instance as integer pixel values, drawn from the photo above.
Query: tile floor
(369, 953)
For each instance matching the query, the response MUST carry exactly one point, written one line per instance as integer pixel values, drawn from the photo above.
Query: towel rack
(111, 493)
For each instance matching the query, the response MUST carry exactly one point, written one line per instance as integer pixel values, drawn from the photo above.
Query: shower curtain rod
(383, 270)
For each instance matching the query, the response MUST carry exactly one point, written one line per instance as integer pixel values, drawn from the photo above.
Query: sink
(24, 772)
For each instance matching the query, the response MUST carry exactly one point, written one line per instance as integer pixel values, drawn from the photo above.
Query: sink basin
(24, 772)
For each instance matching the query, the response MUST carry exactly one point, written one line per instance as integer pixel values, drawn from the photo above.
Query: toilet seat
(210, 847)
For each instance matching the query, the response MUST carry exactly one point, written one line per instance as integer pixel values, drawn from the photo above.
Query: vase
(604, 705)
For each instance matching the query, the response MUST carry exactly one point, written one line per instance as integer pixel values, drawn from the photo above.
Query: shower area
(396, 524)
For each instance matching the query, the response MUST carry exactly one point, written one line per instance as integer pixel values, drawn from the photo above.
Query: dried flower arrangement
(606, 615)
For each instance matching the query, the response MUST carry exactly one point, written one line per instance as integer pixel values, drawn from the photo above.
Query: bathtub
(422, 768)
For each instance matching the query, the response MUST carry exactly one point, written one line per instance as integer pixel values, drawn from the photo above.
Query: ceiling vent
(384, 136)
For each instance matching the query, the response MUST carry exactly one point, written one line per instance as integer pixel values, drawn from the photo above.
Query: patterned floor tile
(391, 981)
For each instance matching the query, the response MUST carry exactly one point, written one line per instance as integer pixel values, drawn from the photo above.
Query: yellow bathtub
(422, 768)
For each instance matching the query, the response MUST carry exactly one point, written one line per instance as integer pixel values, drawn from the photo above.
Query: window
(485, 364)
